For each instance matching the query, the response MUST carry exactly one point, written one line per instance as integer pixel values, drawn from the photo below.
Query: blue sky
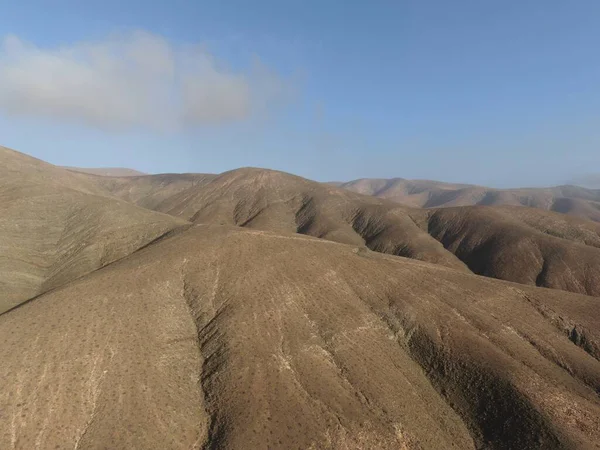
(494, 93)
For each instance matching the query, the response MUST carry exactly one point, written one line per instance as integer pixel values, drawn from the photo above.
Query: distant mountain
(574, 200)
(107, 171)
(591, 181)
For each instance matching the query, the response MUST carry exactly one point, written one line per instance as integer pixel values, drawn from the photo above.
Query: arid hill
(573, 200)
(524, 245)
(520, 244)
(107, 171)
(277, 201)
(223, 337)
(150, 191)
(249, 310)
(56, 226)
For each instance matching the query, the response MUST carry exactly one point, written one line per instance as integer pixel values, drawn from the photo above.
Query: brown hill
(573, 200)
(56, 226)
(524, 245)
(277, 201)
(231, 326)
(150, 191)
(106, 171)
(221, 337)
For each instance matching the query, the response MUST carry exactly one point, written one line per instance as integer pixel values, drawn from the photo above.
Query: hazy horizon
(588, 181)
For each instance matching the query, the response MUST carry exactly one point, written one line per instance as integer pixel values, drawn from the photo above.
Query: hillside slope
(277, 201)
(106, 171)
(222, 337)
(149, 191)
(56, 226)
(524, 245)
(519, 244)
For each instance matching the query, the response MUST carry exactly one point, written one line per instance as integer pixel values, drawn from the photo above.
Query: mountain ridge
(567, 199)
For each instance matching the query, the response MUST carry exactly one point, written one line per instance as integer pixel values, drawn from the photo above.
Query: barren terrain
(256, 309)
(514, 243)
(573, 200)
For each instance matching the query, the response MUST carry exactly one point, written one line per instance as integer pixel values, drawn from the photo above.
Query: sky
(501, 94)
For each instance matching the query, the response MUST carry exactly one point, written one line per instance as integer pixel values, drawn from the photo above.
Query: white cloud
(130, 80)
